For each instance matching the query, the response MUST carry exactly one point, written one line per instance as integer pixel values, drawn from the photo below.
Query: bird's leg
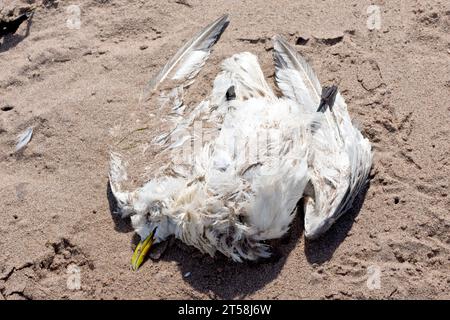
(141, 251)
(327, 98)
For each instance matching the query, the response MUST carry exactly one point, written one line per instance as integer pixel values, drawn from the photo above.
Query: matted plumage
(226, 174)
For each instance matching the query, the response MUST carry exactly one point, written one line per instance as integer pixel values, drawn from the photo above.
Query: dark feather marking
(327, 98)
(230, 94)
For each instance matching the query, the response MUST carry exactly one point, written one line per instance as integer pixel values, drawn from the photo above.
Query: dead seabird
(254, 157)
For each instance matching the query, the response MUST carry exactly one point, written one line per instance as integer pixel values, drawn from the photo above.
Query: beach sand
(73, 85)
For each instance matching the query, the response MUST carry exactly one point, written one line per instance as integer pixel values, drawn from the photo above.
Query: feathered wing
(329, 173)
(143, 136)
(340, 166)
(190, 58)
(340, 158)
(294, 76)
(358, 150)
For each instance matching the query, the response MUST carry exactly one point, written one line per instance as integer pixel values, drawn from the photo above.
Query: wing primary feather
(294, 74)
(198, 48)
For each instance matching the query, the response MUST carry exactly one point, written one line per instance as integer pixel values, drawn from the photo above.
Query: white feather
(339, 169)
(340, 159)
(24, 138)
(186, 63)
(294, 76)
(192, 64)
(244, 72)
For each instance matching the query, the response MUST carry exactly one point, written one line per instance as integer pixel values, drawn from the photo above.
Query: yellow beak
(141, 251)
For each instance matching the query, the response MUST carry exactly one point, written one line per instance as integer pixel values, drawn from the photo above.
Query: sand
(58, 237)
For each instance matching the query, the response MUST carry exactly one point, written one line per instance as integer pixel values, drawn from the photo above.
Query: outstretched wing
(187, 62)
(340, 167)
(341, 157)
(358, 150)
(142, 144)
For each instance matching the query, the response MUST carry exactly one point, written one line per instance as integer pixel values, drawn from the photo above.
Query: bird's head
(153, 224)
(152, 217)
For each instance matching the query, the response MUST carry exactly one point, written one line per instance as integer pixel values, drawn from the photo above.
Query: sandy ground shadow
(221, 278)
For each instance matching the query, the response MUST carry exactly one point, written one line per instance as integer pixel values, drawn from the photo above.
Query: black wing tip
(225, 21)
(225, 16)
(222, 21)
(218, 27)
(328, 97)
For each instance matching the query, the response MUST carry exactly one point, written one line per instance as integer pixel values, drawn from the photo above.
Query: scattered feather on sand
(24, 138)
